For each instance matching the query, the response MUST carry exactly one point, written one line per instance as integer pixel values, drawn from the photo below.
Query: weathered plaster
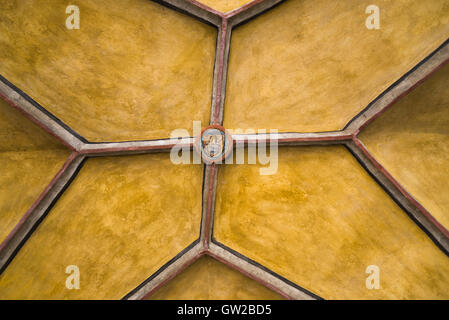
(135, 70)
(309, 66)
(411, 140)
(29, 159)
(208, 279)
(395, 249)
(115, 223)
(320, 221)
(224, 5)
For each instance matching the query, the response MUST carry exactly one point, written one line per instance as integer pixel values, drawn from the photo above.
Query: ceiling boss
(214, 144)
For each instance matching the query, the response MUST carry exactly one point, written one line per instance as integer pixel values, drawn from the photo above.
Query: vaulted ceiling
(362, 177)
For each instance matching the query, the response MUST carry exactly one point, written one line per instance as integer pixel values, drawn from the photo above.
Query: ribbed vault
(363, 172)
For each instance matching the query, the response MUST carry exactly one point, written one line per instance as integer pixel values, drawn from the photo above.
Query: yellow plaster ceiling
(116, 224)
(29, 159)
(208, 279)
(411, 140)
(224, 5)
(135, 70)
(321, 221)
(311, 66)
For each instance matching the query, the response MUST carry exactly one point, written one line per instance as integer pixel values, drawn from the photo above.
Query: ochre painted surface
(208, 279)
(309, 66)
(225, 5)
(320, 221)
(411, 140)
(29, 159)
(120, 221)
(134, 70)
